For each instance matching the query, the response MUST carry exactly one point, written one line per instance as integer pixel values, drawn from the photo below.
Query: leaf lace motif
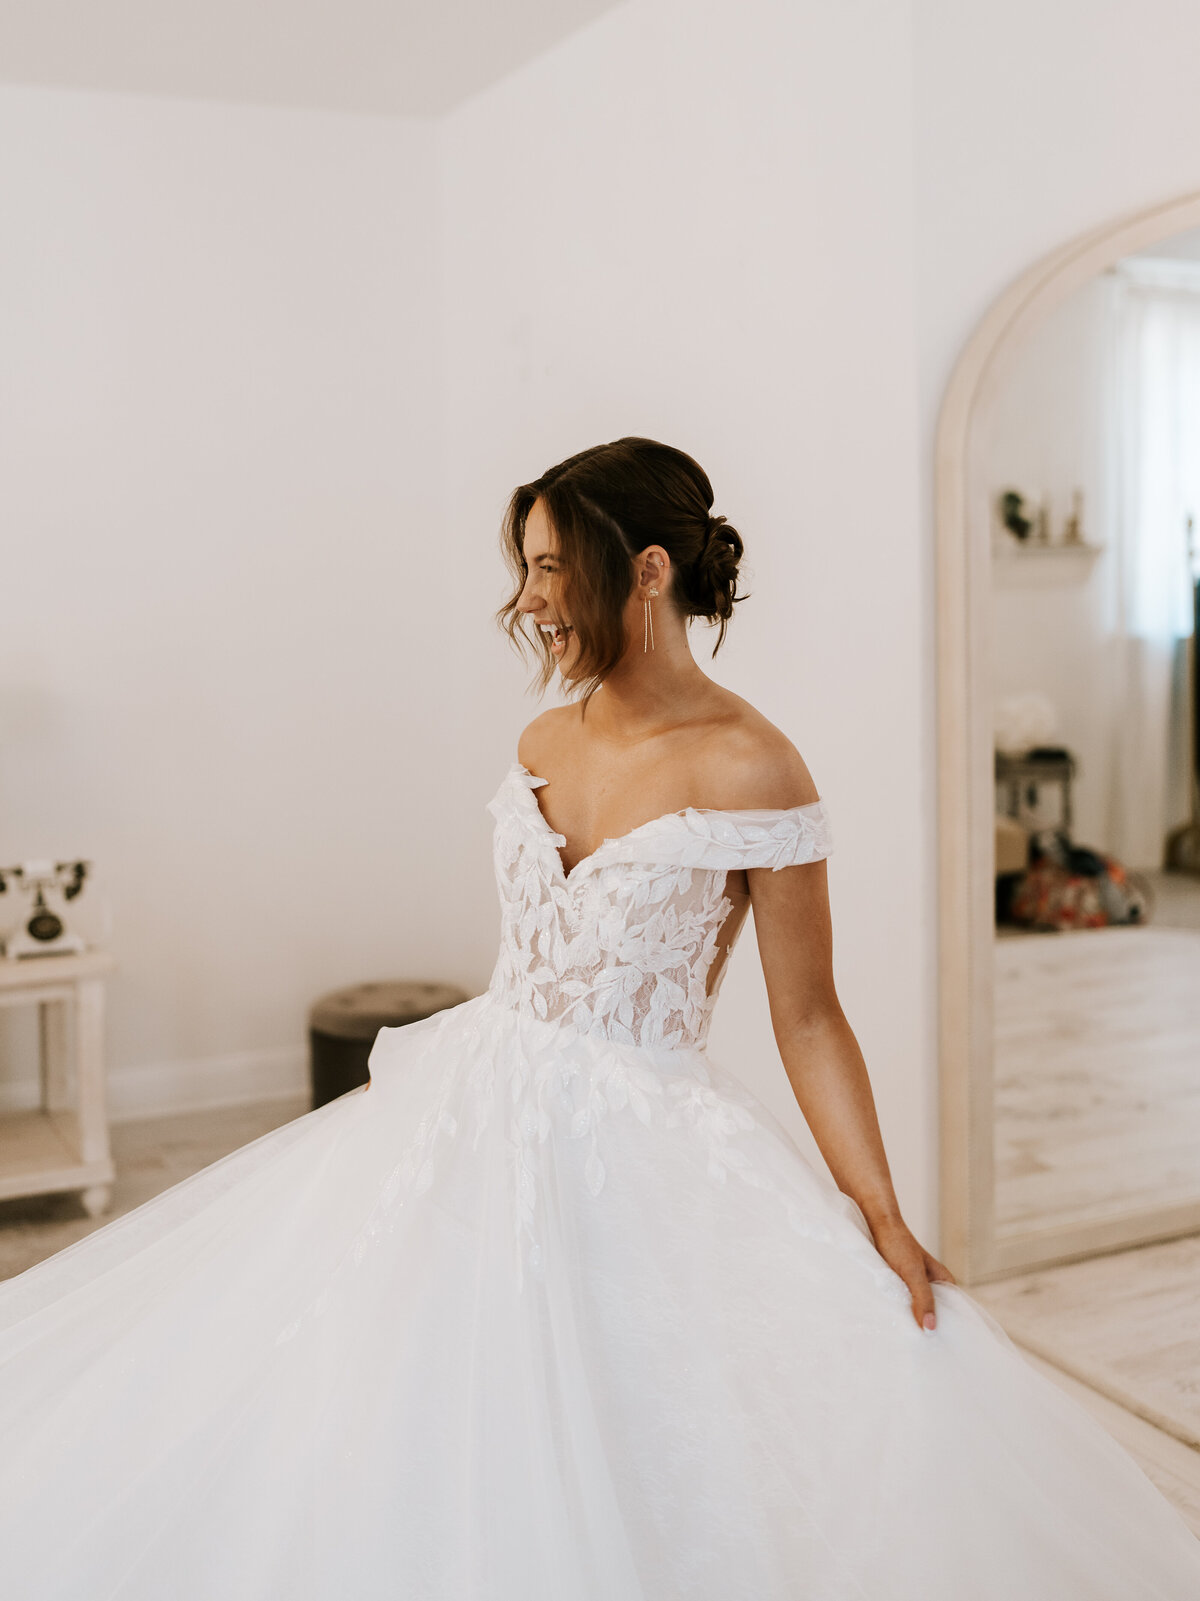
(622, 952)
(598, 1006)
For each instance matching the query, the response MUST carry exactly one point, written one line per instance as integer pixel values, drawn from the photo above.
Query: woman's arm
(825, 1066)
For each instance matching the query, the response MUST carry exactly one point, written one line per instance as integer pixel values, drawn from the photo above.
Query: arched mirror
(1068, 487)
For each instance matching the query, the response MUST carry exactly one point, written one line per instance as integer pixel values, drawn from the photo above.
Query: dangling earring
(648, 625)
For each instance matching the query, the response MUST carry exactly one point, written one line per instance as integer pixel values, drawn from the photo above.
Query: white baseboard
(197, 1086)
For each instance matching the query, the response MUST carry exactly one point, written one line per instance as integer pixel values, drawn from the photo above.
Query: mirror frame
(966, 784)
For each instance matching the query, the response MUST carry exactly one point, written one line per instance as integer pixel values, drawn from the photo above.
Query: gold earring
(648, 625)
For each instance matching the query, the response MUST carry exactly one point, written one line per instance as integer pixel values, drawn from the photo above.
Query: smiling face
(543, 597)
(612, 552)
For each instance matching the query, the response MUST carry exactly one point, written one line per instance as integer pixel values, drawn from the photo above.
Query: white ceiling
(393, 56)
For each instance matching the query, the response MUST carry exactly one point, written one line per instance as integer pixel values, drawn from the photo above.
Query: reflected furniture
(1021, 779)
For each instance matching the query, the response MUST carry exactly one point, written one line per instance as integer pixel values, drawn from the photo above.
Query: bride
(556, 1311)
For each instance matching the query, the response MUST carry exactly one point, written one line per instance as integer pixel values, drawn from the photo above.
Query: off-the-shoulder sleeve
(731, 840)
(764, 839)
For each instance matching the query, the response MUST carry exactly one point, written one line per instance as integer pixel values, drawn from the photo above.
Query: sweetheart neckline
(552, 834)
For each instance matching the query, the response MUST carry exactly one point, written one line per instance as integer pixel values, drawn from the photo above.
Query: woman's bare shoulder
(543, 738)
(752, 765)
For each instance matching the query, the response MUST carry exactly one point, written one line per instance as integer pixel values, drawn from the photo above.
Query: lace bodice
(622, 946)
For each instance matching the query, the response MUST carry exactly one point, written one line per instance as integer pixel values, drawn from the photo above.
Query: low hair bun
(714, 589)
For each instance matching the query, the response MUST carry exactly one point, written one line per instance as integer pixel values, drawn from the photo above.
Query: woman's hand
(899, 1248)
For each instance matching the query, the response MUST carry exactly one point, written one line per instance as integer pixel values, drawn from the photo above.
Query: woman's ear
(653, 568)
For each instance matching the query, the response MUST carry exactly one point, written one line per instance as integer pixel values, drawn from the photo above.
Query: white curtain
(1158, 469)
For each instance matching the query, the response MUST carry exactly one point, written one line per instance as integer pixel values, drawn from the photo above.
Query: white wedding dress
(554, 1311)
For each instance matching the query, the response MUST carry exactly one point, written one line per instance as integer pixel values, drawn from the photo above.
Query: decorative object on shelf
(343, 1024)
(1073, 527)
(1012, 514)
(1027, 531)
(45, 933)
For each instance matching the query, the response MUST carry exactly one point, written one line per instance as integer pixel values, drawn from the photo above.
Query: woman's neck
(647, 692)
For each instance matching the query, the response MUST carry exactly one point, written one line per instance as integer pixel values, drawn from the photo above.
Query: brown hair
(606, 504)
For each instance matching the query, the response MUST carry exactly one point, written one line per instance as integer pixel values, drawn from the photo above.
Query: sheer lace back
(622, 946)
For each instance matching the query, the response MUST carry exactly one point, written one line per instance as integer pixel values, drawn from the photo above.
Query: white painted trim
(966, 803)
(196, 1086)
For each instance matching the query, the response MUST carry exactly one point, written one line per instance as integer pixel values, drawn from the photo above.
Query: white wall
(218, 401)
(701, 231)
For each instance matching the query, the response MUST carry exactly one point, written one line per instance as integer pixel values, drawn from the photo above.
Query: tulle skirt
(537, 1318)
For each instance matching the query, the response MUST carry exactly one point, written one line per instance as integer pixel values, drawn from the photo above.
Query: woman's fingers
(900, 1249)
(911, 1269)
(920, 1284)
(935, 1272)
(938, 1272)
(924, 1308)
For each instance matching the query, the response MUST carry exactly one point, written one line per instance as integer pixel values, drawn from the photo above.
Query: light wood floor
(1127, 1324)
(1050, 1316)
(1097, 1074)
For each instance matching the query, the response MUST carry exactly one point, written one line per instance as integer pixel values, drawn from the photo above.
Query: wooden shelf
(63, 1145)
(1035, 563)
(19, 972)
(39, 1155)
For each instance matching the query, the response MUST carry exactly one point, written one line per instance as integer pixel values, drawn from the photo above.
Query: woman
(557, 1312)
(664, 738)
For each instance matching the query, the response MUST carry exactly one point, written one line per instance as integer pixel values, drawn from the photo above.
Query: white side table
(63, 1145)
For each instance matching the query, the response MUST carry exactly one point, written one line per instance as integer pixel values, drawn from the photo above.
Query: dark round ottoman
(343, 1024)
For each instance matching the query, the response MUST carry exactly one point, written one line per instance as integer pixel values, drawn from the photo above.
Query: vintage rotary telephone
(45, 933)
